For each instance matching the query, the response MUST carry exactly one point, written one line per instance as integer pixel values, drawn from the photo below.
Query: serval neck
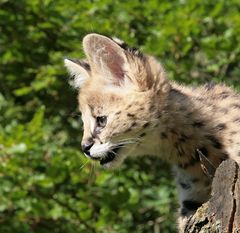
(175, 137)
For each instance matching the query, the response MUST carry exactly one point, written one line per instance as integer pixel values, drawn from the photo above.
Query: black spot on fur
(133, 125)
(142, 135)
(198, 124)
(117, 113)
(183, 138)
(190, 163)
(163, 135)
(179, 149)
(236, 105)
(130, 115)
(215, 142)
(146, 125)
(237, 120)
(221, 126)
(173, 131)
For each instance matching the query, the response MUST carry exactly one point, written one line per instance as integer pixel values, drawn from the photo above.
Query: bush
(46, 184)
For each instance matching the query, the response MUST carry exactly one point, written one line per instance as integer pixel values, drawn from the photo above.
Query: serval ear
(79, 71)
(106, 58)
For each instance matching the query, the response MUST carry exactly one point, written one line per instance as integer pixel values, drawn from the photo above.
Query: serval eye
(101, 121)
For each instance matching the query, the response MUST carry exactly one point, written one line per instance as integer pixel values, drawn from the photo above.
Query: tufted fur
(193, 129)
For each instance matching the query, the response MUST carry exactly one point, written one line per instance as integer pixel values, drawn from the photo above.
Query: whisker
(73, 114)
(84, 164)
(125, 143)
(91, 174)
(129, 140)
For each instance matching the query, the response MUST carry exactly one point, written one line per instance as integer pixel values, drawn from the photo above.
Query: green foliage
(46, 183)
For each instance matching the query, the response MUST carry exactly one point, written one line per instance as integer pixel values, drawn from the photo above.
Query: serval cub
(130, 108)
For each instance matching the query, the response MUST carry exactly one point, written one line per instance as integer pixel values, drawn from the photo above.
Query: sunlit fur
(149, 115)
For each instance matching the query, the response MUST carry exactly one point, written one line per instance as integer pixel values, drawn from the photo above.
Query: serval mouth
(111, 155)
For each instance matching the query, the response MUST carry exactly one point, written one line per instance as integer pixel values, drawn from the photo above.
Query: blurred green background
(46, 184)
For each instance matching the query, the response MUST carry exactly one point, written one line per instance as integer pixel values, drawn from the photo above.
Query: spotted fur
(193, 129)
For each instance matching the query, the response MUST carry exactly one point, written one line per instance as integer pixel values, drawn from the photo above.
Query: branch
(222, 212)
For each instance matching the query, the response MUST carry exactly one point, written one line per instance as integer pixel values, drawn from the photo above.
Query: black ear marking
(81, 63)
(84, 65)
(129, 49)
(79, 71)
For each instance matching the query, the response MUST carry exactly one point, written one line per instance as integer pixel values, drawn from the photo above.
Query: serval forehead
(99, 99)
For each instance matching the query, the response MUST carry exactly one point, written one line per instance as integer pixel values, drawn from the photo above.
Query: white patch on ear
(79, 73)
(118, 41)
